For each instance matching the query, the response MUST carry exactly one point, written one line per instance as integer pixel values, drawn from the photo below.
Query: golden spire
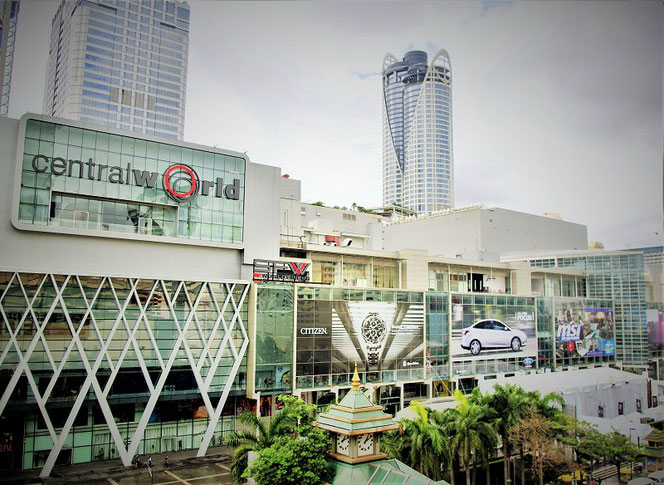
(356, 380)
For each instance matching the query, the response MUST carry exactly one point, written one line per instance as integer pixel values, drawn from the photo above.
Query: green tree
(472, 434)
(489, 416)
(421, 443)
(294, 461)
(613, 448)
(510, 404)
(295, 414)
(319, 203)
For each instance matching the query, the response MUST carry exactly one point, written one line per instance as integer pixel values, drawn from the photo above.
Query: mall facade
(152, 290)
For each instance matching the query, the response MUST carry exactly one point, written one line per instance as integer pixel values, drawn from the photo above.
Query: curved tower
(418, 167)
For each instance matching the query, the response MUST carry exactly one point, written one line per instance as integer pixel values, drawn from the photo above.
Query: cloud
(557, 105)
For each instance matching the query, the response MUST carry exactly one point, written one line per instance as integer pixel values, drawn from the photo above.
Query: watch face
(373, 329)
(342, 444)
(365, 445)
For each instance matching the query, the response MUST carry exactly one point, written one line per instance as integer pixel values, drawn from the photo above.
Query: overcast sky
(557, 106)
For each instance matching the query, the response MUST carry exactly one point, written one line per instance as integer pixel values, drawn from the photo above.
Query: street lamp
(631, 462)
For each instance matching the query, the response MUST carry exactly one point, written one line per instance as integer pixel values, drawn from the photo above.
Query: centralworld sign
(180, 181)
(71, 177)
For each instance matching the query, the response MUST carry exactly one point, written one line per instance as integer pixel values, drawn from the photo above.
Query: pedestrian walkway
(184, 467)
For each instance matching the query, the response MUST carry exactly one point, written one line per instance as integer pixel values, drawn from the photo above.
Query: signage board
(385, 338)
(76, 178)
(489, 328)
(281, 271)
(584, 332)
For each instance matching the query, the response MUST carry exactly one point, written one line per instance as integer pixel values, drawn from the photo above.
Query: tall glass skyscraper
(121, 64)
(8, 18)
(418, 167)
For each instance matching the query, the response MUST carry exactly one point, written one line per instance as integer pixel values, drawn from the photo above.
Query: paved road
(195, 475)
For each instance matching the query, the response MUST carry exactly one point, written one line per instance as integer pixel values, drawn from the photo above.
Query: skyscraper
(121, 64)
(8, 18)
(418, 168)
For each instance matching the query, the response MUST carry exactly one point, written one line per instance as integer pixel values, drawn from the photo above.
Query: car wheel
(475, 347)
(516, 344)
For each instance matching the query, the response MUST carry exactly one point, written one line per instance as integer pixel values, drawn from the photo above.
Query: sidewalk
(101, 470)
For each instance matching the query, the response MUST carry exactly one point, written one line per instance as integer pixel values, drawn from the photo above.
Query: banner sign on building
(281, 271)
(585, 332)
(385, 338)
(494, 328)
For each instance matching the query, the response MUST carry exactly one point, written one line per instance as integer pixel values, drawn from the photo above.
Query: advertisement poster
(503, 328)
(655, 329)
(379, 336)
(586, 332)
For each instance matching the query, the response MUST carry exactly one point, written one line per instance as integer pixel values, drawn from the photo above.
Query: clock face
(343, 444)
(365, 445)
(373, 329)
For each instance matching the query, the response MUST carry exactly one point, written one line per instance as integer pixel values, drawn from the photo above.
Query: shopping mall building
(151, 290)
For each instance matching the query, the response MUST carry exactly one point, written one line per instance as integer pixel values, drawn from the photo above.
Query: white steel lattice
(227, 338)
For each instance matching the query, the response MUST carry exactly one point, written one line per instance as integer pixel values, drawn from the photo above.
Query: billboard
(385, 338)
(655, 329)
(497, 327)
(585, 332)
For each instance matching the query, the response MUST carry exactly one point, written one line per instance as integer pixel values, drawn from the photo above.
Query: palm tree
(484, 401)
(473, 434)
(261, 437)
(425, 442)
(510, 404)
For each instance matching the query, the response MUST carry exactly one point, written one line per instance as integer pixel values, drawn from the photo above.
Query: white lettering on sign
(525, 316)
(313, 331)
(409, 363)
(569, 333)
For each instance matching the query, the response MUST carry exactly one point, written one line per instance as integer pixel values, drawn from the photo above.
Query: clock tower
(356, 425)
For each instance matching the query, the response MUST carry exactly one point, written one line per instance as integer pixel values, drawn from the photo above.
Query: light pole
(631, 462)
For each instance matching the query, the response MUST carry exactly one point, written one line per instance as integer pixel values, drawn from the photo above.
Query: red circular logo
(180, 182)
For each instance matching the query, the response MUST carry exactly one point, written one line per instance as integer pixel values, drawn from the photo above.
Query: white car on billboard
(491, 334)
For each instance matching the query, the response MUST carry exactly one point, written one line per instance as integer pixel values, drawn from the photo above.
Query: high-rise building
(418, 169)
(8, 18)
(121, 64)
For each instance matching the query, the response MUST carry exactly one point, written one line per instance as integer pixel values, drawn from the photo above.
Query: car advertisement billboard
(496, 327)
(385, 338)
(585, 332)
(655, 329)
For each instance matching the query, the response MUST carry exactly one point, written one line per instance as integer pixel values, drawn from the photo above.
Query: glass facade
(438, 336)
(354, 272)
(154, 355)
(87, 179)
(128, 61)
(418, 169)
(619, 277)
(381, 330)
(274, 338)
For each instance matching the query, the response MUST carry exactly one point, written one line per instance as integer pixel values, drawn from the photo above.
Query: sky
(557, 106)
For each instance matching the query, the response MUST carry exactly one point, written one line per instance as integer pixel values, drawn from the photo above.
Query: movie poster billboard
(385, 338)
(585, 332)
(495, 327)
(655, 330)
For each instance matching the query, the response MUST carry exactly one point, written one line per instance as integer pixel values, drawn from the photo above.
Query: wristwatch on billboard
(374, 332)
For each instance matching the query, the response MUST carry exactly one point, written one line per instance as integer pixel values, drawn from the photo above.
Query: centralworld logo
(181, 182)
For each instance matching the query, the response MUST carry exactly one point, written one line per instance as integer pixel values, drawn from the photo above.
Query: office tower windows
(121, 64)
(8, 17)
